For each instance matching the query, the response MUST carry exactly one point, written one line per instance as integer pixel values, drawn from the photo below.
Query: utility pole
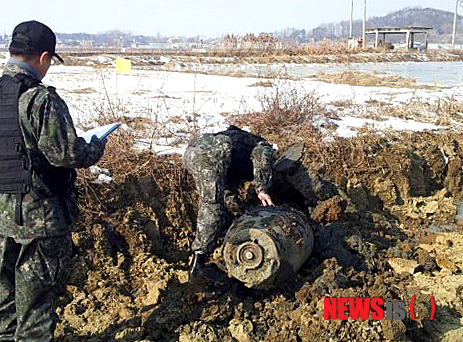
(351, 18)
(455, 23)
(365, 23)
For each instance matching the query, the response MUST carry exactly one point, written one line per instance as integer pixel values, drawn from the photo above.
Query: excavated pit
(391, 234)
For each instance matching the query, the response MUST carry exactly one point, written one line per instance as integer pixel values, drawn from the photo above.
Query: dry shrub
(125, 162)
(286, 114)
(291, 117)
(157, 189)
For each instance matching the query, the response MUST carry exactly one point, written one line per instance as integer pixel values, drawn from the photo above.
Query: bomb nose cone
(267, 245)
(249, 255)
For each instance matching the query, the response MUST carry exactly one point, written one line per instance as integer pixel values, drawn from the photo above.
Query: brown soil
(384, 238)
(330, 210)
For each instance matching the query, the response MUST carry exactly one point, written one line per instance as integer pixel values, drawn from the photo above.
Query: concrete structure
(408, 31)
(265, 247)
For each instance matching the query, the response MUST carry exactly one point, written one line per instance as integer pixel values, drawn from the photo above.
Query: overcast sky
(195, 17)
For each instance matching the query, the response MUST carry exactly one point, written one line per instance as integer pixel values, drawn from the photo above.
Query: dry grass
(82, 91)
(342, 103)
(337, 159)
(443, 112)
(129, 165)
(322, 52)
(288, 116)
(328, 48)
(291, 116)
(361, 157)
(265, 84)
(145, 180)
(320, 48)
(370, 80)
(137, 175)
(449, 106)
(287, 111)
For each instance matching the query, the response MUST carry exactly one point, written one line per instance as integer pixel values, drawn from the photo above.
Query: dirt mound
(381, 239)
(330, 210)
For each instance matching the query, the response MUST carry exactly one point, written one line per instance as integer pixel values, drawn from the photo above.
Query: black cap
(32, 37)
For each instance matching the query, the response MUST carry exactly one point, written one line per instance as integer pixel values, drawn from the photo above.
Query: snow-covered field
(181, 98)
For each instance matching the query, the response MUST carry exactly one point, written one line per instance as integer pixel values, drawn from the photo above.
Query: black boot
(200, 272)
(197, 266)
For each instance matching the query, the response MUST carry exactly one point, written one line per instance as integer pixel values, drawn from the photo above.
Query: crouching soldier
(219, 163)
(39, 150)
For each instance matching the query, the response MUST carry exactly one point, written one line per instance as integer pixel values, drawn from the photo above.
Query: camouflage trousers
(32, 273)
(208, 159)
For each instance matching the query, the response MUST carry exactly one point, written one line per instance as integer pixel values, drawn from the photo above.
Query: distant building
(174, 43)
(5, 41)
(409, 33)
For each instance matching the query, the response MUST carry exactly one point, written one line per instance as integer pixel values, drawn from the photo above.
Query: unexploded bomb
(266, 246)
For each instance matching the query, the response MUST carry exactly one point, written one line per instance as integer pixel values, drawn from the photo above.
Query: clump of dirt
(330, 210)
(381, 238)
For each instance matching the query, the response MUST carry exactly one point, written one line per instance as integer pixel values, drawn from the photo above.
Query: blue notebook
(101, 132)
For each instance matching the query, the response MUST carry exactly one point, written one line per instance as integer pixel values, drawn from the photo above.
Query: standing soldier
(218, 163)
(38, 150)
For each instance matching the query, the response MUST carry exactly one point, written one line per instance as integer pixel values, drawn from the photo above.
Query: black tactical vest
(243, 143)
(17, 164)
(15, 168)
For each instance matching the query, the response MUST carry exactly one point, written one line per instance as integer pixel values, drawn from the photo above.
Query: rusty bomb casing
(267, 245)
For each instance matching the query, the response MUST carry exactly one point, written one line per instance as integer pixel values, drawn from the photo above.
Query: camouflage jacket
(251, 159)
(48, 129)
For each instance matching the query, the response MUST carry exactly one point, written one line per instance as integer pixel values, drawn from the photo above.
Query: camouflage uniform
(218, 163)
(34, 258)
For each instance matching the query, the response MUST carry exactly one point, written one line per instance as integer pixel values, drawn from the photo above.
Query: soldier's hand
(264, 198)
(99, 144)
